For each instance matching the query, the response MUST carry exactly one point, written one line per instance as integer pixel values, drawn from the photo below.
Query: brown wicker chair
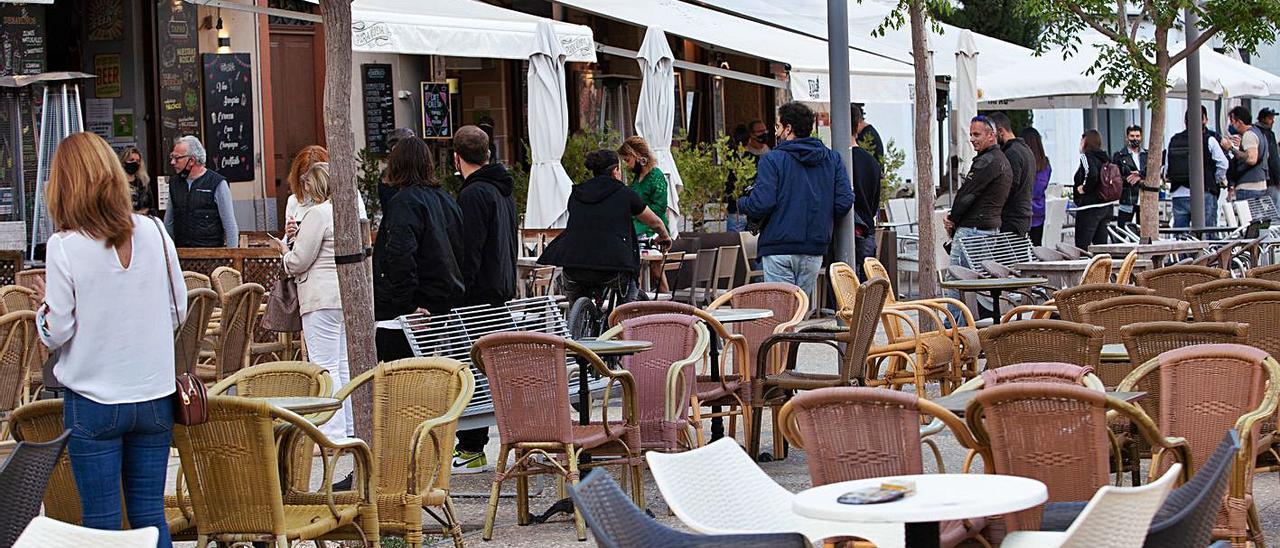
(528, 381)
(1029, 341)
(774, 390)
(1202, 296)
(789, 304)
(857, 433)
(15, 297)
(416, 406)
(1056, 433)
(1260, 311)
(230, 350)
(963, 329)
(239, 499)
(1124, 276)
(17, 342)
(1269, 272)
(196, 280)
(1067, 302)
(191, 334)
(665, 377)
(1098, 270)
(1172, 281)
(1206, 390)
(27, 278)
(1116, 312)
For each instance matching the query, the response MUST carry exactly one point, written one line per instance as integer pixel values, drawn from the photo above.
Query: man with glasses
(200, 213)
(980, 200)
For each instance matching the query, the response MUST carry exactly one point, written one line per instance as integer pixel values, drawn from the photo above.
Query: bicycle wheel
(584, 319)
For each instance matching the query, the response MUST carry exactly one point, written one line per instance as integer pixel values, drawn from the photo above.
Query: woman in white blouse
(311, 264)
(109, 311)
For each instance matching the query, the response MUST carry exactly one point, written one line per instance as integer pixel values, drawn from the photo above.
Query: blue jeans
(1242, 194)
(735, 222)
(958, 259)
(798, 270)
(120, 443)
(1182, 211)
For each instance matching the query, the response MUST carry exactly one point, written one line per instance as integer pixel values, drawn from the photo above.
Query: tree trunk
(924, 112)
(354, 278)
(1150, 201)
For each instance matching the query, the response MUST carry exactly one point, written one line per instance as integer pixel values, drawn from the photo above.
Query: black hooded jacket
(489, 233)
(416, 257)
(599, 235)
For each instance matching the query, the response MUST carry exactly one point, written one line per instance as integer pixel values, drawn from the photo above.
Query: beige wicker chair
(1205, 390)
(1202, 296)
(196, 280)
(1098, 270)
(1269, 272)
(1172, 281)
(230, 349)
(277, 379)
(239, 499)
(17, 342)
(1117, 312)
(15, 297)
(224, 279)
(191, 334)
(1039, 341)
(1124, 276)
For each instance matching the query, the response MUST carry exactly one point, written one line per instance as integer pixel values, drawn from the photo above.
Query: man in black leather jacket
(980, 199)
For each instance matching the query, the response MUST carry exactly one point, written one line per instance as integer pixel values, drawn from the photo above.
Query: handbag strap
(168, 271)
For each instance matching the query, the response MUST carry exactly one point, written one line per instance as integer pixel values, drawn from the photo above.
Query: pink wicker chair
(1114, 313)
(665, 376)
(1202, 296)
(857, 433)
(528, 381)
(1173, 281)
(1029, 341)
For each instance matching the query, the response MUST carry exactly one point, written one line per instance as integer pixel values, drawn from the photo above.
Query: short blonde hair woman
(311, 263)
(117, 367)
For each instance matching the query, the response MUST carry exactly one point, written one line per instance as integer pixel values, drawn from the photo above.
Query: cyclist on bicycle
(598, 249)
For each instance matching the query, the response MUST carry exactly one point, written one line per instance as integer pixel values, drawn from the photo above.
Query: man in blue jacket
(801, 189)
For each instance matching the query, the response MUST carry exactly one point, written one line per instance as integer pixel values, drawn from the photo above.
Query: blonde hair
(88, 190)
(636, 147)
(315, 182)
(301, 163)
(142, 175)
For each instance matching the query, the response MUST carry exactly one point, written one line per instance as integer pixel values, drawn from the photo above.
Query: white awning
(873, 78)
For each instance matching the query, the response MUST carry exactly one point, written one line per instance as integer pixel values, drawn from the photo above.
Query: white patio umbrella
(549, 185)
(655, 115)
(966, 95)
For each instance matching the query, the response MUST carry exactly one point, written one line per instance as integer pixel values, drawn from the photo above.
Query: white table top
(734, 315)
(938, 497)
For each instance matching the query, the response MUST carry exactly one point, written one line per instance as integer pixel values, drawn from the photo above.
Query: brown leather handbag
(191, 399)
(283, 314)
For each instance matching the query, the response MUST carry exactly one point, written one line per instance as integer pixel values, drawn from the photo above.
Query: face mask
(185, 172)
(131, 167)
(637, 169)
(1135, 143)
(761, 138)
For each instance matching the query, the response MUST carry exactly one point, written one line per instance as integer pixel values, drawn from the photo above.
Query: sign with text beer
(437, 122)
(379, 106)
(228, 115)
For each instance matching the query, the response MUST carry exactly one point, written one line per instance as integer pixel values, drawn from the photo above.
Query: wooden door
(297, 91)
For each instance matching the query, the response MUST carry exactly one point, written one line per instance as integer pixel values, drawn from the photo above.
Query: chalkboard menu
(179, 72)
(436, 120)
(22, 39)
(379, 106)
(228, 115)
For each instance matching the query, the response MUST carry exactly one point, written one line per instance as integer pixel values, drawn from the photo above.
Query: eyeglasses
(173, 157)
(984, 120)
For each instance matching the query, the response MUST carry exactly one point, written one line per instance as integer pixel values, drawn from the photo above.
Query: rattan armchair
(17, 351)
(963, 329)
(1124, 276)
(277, 379)
(239, 499)
(224, 279)
(1206, 390)
(196, 280)
(24, 476)
(1098, 271)
(665, 377)
(191, 334)
(855, 433)
(1270, 272)
(1028, 341)
(790, 306)
(1057, 434)
(528, 381)
(15, 297)
(230, 348)
(1067, 302)
(27, 278)
(1117, 312)
(1172, 281)
(1202, 296)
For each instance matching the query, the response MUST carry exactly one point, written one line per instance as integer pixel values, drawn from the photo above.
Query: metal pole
(1195, 127)
(841, 123)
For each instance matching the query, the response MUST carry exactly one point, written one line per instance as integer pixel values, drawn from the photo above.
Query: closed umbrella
(655, 115)
(966, 96)
(549, 185)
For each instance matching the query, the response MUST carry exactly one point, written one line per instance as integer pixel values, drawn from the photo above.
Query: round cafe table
(305, 405)
(729, 315)
(938, 497)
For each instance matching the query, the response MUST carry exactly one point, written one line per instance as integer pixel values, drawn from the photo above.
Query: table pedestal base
(922, 535)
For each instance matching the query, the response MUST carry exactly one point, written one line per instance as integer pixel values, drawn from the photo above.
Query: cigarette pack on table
(908, 487)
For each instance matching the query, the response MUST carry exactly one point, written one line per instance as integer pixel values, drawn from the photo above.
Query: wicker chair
(239, 499)
(615, 522)
(230, 350)
(1206, 390)
(1202, 296)
(963, 329)
(1055, 433)
(528, 381)
(224, 279)
(789, 304)
(1067, 302)
(17, 351)
(1117, 312)
(1124, 276)
(1269, 272)
(196, 280)
(191, 334)
(1098, 270)
(23, 479)
(416, 406)
(1028, 341)
(1172, 281)
(27, 278)
(15, 297)
(277, 379)
(775, 390)
(665, 376)
(855, 433)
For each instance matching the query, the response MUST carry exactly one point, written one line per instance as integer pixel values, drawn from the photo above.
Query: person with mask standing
(139, 181)
(1133, 169)
(1015, 216)
(801, 189)
(200, 210)
(650, 184)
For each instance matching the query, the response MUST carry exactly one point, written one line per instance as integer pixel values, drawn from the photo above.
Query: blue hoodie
(801, 188)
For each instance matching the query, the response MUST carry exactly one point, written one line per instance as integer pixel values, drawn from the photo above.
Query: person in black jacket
(866, 205)
(598, 248)
(489, 253)
(1266, 124)
(1092, 212)
(420, 245)
(1015, 216)
(979, 201)
(1133, 169)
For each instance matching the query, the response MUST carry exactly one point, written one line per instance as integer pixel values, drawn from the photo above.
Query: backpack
(1112, 185)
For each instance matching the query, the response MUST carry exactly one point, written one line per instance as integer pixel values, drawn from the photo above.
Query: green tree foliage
(705, 169)
(995, 18)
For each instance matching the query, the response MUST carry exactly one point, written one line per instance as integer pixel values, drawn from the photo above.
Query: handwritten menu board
(179, 72)
(22, 39)
(436, 120)
(228, 115)
(379, 106)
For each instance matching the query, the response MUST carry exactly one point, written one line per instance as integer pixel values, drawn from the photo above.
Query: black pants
(863, 247)
(1091, 226)
(1037, 235)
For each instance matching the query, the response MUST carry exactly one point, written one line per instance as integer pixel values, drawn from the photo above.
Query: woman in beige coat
(310, 262)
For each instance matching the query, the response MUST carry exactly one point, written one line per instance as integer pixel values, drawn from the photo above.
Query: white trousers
(326, 337)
